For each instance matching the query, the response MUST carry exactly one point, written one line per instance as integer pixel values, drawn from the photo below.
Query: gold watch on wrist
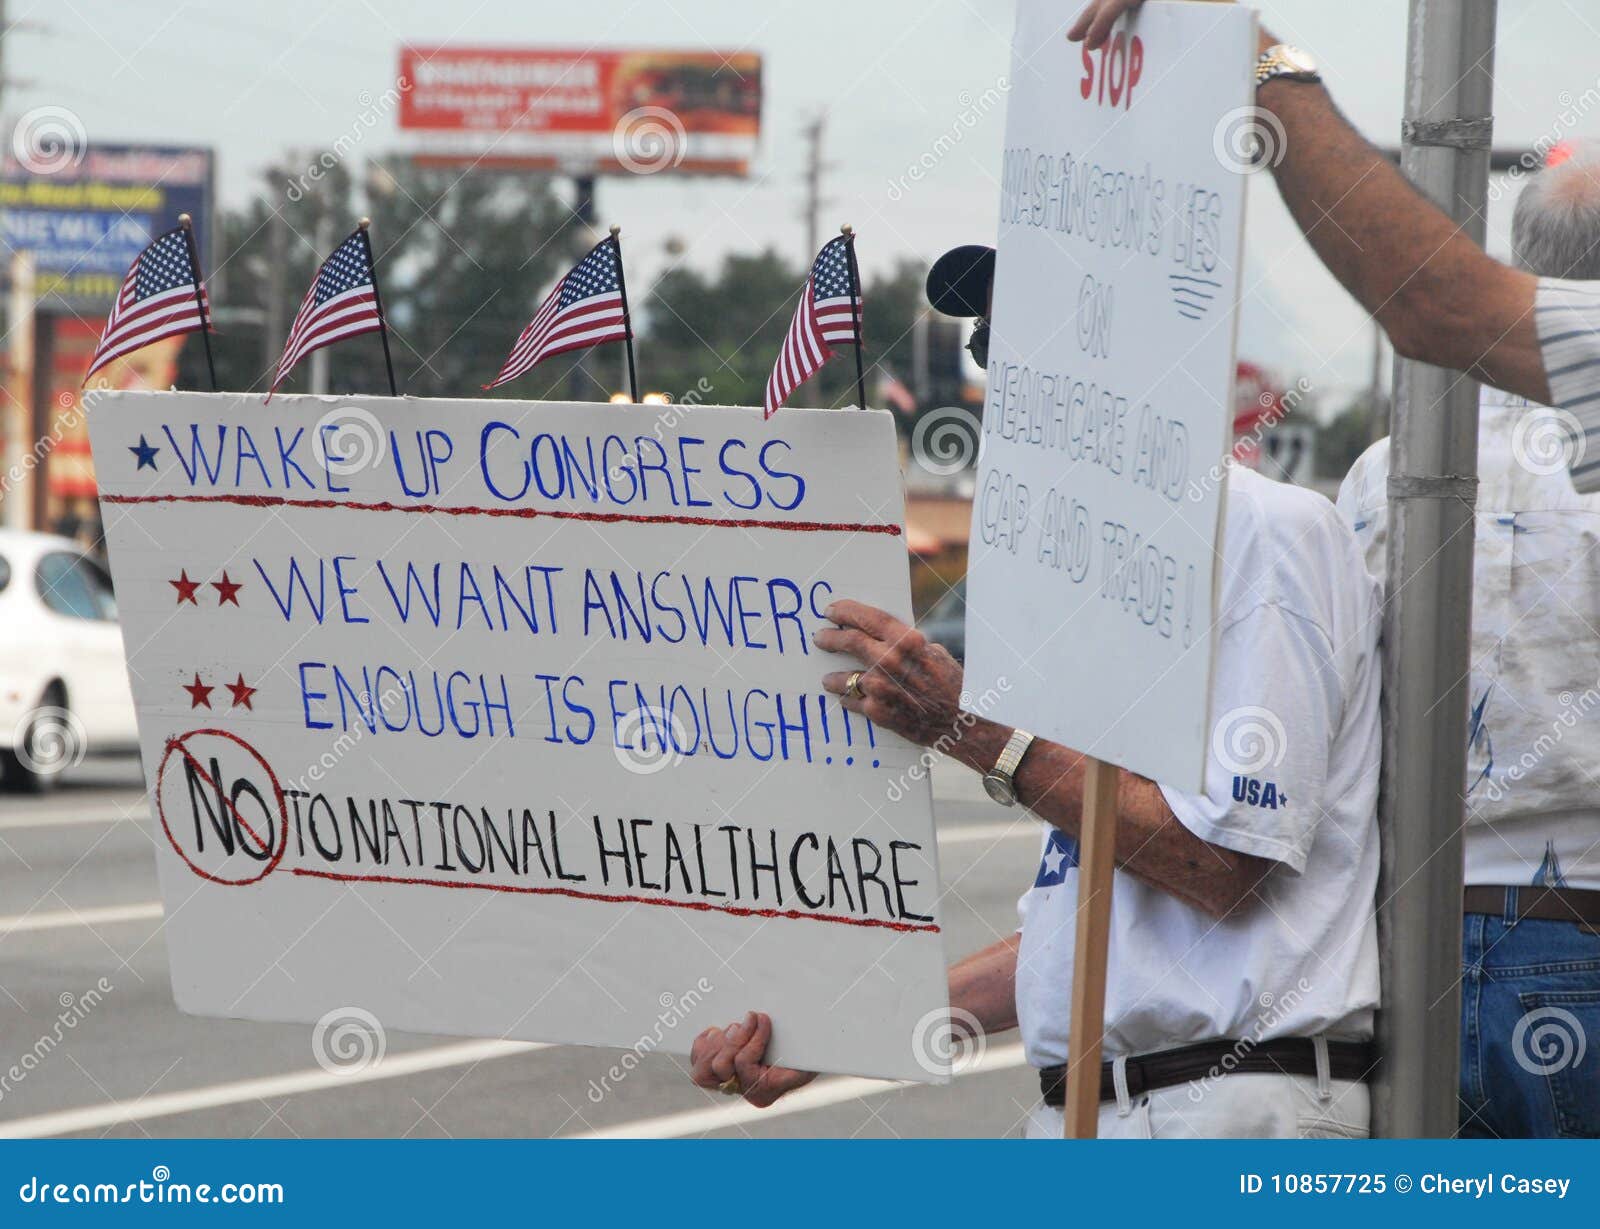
(1283, 60)
(999, 782)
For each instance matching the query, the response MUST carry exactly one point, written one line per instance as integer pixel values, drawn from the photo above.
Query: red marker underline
(700, 905)
(606, 518)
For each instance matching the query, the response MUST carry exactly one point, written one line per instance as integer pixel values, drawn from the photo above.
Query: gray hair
(1555, 229)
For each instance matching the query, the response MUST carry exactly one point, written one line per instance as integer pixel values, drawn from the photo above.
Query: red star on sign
(199, 693)
(227, 590)
(241, 693)
(185, 588)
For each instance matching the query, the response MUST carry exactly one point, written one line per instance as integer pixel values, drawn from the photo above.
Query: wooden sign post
(1097, 844)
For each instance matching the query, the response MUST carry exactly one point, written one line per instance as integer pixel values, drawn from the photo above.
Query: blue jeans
(1530, 1029)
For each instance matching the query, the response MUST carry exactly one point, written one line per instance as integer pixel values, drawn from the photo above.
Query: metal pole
(322, 236)
(812, 209)
(16, 418)
(1427, 620)
(273, 323)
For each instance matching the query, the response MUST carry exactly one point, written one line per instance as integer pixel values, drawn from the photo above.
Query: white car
(63, 680)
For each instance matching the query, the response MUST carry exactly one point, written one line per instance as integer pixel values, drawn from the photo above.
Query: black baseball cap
(958, 283)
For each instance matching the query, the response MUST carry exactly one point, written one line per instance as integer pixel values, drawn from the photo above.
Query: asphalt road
(81, 940)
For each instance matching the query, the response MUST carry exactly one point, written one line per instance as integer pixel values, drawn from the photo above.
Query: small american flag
(342, 302)
(829, 310)
(586, 308)
(157, 300)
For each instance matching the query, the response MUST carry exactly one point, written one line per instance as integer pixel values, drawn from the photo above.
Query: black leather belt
(1347, 1060)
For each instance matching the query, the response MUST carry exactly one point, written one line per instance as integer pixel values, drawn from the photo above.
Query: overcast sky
(256, 80)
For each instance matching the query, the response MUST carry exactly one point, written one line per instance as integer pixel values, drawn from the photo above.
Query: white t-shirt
(1533, 759)
(1292, 776)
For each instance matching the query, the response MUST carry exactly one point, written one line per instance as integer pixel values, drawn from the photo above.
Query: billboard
(582, 112)
(87, 213)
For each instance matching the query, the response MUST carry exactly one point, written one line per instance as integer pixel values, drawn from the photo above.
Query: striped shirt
(1568, 318)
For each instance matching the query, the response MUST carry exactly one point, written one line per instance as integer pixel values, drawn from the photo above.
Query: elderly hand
(720, 1054)
(907, 684)
(1094, 24)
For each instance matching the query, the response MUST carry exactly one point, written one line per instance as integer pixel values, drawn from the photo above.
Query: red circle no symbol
(190, 762)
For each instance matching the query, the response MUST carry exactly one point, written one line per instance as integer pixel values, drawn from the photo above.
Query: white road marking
(822, 1093)
(963, 834)
(17, 823)
(57, 919)
(166, 1104)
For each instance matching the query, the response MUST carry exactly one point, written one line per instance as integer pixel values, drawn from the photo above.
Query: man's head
(1555, 229)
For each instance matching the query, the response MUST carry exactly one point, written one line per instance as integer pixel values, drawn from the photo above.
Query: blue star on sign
(1060, 856)
(146, 452)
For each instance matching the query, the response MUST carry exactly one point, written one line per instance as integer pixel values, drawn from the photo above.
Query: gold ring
(731, 1087)
(852, 687)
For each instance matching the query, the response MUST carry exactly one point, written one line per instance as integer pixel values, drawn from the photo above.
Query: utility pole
(580, 381)
(322, 236)
(273, 324)
(3, 28)
(18, 481)
(1427, 620)
(812, 133)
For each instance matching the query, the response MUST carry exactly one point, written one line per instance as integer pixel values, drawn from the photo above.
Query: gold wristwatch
(999, 782)
(1282, 60)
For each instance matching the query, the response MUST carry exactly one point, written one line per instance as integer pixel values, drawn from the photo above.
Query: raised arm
(1435, 293)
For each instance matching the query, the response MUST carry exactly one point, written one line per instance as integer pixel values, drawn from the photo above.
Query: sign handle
(1097, 843)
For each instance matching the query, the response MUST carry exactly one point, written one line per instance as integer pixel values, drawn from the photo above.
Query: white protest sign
(503, 719)
(1109, 406)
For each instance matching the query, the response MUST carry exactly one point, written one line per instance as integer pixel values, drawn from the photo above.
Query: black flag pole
(377, 302)
(627, 320)
(855, 308)
(187, 223)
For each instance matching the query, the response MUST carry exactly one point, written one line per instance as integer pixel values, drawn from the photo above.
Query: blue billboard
(85, 216)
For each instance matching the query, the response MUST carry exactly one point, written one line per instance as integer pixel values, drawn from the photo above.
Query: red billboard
(582, 112)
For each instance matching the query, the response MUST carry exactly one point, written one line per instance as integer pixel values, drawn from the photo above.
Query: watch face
(1000, 790)
(1296, 60)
